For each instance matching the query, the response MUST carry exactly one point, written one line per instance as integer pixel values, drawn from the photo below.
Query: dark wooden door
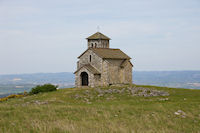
(84, 77)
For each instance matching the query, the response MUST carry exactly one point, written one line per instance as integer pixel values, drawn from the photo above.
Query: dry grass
(60, 112)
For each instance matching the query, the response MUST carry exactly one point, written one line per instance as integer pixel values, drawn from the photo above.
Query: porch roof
(89, 68)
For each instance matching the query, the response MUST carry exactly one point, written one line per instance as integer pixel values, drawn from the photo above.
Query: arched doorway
(84, 79)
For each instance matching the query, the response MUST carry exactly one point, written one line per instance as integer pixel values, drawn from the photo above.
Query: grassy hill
(87, 110)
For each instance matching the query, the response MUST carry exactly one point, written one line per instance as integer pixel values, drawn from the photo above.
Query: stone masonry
(100, 65)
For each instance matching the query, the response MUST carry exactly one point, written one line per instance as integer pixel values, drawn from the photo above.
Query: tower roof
(98, 35)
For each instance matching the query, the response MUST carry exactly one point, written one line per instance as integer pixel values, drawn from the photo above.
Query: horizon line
(72, 72)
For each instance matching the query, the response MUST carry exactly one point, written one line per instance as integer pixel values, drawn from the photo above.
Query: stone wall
(105, 73)
(128, 73)
(116, 74)
(114, 71)
(78, 80)
(110, 69)
(97, 80)
(96, 61)
(98, 43)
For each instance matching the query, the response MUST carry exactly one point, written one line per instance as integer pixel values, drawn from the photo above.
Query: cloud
(156, 34)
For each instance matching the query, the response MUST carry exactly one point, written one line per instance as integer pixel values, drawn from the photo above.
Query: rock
(100, 95)
(87, 100)
(176, 113)
(39, 102)
(163, 99)
(134, 91)
(99, 90)
(123, 90)
(77, 96)
(146, 92)
(180, 113)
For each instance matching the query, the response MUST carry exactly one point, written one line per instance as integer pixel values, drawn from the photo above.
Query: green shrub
(43, 88)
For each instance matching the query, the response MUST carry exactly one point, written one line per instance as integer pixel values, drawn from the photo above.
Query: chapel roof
(108, 53)
(98, 35)
(124, 63)
(89, 68)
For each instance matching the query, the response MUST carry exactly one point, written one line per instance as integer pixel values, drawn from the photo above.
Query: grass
(61, 112)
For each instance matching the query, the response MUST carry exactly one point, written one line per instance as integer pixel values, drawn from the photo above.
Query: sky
(48, 35)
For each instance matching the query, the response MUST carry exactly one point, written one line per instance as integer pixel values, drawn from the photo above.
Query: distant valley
(177, 79)
(18, 83)
(24, 82)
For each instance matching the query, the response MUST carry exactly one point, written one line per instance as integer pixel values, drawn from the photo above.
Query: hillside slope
(86, 110)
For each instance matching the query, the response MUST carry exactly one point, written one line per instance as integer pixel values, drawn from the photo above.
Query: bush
(43, 88)
(15, 96)
(12, 96)
(3, 99)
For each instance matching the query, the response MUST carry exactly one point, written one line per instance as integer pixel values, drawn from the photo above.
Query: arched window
(92, 45)
(90, 58)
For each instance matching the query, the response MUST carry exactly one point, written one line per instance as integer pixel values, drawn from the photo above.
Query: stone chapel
(101, 65)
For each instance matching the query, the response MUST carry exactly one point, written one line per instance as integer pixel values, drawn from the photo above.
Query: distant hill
(38, 78)
(178, 79)
(17, 83)
(24, 82)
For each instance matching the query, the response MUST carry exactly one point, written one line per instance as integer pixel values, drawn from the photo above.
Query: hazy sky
(49, 35)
